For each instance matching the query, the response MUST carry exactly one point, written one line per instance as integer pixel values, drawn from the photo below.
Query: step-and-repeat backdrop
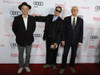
(89, 10)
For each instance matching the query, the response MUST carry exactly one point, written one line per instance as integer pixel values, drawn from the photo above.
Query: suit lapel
(76, 22)
(70, 22)
(22, 21)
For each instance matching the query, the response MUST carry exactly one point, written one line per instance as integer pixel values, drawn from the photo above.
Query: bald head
(74, 11)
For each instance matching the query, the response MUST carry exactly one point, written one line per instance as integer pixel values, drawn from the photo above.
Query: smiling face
(74, 11)
(57, 11)
(24, 10)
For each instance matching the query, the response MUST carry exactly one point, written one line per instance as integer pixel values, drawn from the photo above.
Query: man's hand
(79, 44)
(63, 43)
(54, 46)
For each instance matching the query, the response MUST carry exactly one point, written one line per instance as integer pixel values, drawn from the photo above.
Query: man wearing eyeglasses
(52, 35)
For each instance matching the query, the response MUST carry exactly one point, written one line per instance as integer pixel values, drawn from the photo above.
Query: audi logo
(58, 54)
(37, 35)
(15, 12)
(97, 8)
(13, 45)
(38, 3)
(94, 37)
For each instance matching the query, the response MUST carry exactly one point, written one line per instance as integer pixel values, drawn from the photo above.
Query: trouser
(65, 55)
(21, 50)
(51, 55)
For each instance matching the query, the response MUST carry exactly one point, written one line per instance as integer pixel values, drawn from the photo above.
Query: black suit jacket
(73, 36)
(24, 37)
(53, 30)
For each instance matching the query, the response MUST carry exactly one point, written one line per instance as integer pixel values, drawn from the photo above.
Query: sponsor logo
(83, 7)
(37, 35)
(94, 37)
(13, 45)
(14, 13)
(92, 47)
(96, 18)
(11, 2)
(1, 13)
(37, 46)
(58, 54)
(1, 45)
(38, 3)
(97, 8)
(13, 55)
(9, 35)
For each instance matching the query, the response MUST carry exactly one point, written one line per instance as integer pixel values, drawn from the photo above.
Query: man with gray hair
(23, 28)
(72, 37)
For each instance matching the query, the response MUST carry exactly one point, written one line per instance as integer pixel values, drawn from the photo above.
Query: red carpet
(36, 69)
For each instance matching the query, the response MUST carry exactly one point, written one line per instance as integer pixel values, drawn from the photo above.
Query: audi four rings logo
(97, 8)
(94, 37)
(15, 13)
(37, 35)
(36, 3)
(13, 45)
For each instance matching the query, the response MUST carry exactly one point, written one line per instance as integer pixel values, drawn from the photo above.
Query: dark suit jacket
(23, 37)
(53, 30)
(73, 36)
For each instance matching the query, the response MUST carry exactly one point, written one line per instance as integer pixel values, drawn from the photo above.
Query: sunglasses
(58, 11)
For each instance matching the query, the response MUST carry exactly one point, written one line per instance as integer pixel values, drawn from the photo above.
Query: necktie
(73, 23)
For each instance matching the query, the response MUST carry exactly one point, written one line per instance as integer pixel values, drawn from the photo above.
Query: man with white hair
(72, 37)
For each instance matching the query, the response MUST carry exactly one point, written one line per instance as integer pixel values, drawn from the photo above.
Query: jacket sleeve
(81, 33)
(63, 33)
(40, 18)
(14, 26)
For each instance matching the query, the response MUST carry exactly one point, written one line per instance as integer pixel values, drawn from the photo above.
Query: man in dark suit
(23, 28)
(73, 36)
(99, 64)
(52, 35)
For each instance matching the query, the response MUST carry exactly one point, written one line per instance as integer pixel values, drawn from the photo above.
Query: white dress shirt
(25, 21)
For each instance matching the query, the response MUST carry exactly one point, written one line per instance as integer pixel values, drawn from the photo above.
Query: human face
(57, 11)
(24, 10)
(74, 11)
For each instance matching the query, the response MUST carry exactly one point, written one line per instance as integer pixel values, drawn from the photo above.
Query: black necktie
(73, 23)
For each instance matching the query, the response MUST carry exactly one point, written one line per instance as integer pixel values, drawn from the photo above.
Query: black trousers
(51, 55)
(99, 64)
(65, 55)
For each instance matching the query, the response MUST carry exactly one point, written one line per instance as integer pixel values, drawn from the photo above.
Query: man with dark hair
(23, 28)
(52, 35)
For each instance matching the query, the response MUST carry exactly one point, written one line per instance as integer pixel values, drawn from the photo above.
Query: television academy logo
(14, 13)
(97, 8)
(38, 3)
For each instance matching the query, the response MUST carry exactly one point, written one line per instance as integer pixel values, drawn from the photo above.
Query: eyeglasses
(58, 11)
